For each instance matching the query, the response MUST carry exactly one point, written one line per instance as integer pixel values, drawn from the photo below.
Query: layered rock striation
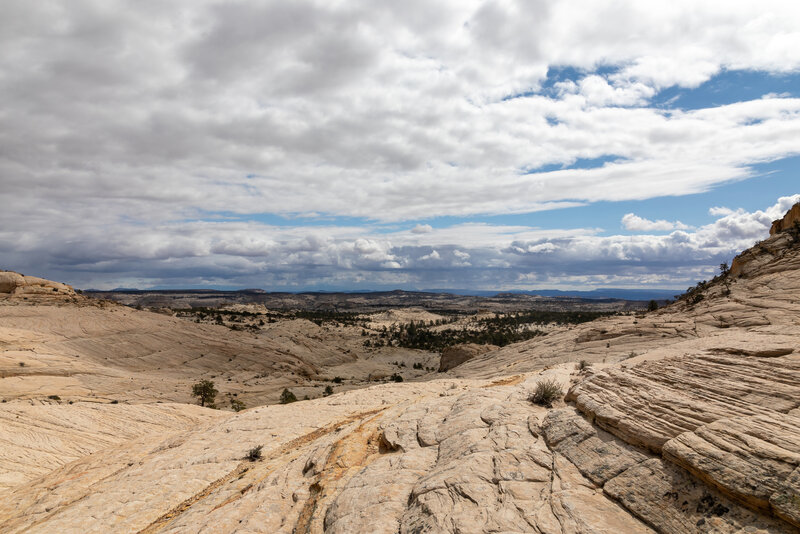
(788, 221)
(17, 285)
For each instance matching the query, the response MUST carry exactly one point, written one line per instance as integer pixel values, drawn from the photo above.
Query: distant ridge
(605, 293)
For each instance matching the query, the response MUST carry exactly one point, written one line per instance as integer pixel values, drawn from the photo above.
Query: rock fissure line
(243, 467)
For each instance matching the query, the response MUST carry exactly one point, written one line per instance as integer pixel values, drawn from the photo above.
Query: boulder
(458, 354)
(9, 281)
(18, 284)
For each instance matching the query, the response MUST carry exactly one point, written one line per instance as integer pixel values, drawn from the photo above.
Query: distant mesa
(15, 284)
(792, 216)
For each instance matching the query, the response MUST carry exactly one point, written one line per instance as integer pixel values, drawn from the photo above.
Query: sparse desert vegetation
(546, 392)
(206, 392)
(254, 454)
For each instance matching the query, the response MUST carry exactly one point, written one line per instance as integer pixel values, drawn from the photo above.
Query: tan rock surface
(671, 500)
(686, 420)
(748, 458)
(652, 402)
(457, 354)
(788, 220)
(15, 285)
(38, 438)
(87, 350)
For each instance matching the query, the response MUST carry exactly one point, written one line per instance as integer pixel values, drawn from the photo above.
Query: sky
(483, 145)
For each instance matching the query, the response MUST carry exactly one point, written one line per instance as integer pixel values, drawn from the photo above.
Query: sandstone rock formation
(16, 285)
(788, 220)
(40, 437)
(458, 354)
(683, 420)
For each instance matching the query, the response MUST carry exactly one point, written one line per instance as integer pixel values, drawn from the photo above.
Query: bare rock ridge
(683, 420)
(788, 220)
(17, 285)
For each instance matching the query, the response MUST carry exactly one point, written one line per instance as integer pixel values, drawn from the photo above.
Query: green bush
(287, 397)
(547, 391)
(254, 453)
(206, 392)
(237, 405)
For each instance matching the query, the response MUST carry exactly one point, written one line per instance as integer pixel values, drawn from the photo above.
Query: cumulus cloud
(250, 254)
(432, 256)
(719, 211)
(167, 131)
(376, 110)
(631, 221)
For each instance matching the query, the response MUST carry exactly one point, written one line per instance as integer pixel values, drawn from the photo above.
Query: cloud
(368, 110)
(719, 211)
(166, 132)
(432, 256)
(635, 223)
(251, 254)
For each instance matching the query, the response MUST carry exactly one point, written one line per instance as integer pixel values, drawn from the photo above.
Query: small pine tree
(205, 391)
(328, 391)
(652, 305)
(287, 397)
(237, 405)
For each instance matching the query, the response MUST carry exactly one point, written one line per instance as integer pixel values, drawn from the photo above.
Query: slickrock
(443, 456)
(748, 458)
(671, 500)
(721, 416)
(596, 454)
(683, 420)
(346, 464)
(654, 401)
(458, 354)
(662, 495)
(36, 439)
(15, 285)
(97, 351)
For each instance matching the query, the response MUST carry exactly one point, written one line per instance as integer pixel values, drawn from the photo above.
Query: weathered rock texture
(685, 420)
(458, 354)
(87, 350)
(722, 417)
(17, 285)
(38, 438)
(788, 220)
